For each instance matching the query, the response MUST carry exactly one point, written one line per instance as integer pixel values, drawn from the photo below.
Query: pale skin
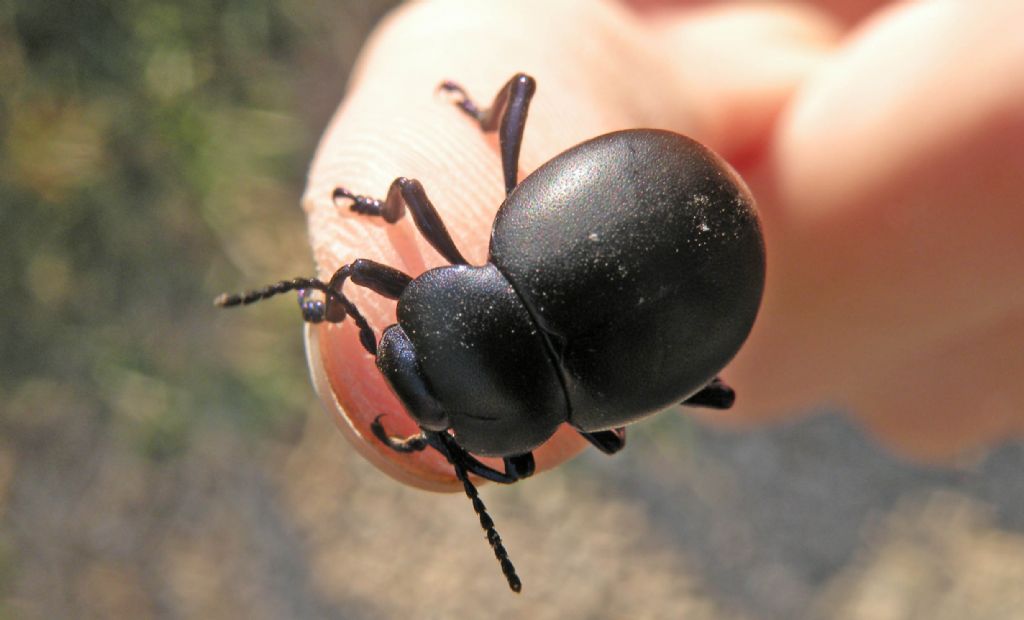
(885, 146)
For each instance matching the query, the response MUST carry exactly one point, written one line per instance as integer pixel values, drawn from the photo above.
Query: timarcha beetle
(622, 276)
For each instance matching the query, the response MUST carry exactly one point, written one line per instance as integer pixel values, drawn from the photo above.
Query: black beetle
(622, 276)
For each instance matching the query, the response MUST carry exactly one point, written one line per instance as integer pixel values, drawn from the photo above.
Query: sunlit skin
(885, 152)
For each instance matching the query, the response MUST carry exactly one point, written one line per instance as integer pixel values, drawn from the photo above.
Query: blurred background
(161, 459)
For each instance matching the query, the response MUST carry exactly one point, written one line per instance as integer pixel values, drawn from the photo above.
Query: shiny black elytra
(622, 276)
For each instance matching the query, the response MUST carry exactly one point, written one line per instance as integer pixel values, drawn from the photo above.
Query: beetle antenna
(366, 335)
(225, 300)
(488, 524)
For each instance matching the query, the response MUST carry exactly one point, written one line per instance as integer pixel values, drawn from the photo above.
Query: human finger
(892, 201)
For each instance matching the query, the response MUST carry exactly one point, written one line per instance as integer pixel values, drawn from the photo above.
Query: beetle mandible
(622, 276)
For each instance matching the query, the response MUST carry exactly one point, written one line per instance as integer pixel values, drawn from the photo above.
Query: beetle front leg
(516, 467)
(398, 362)
(507, 115)
(412, 443)
(379, 278)
(407, 193)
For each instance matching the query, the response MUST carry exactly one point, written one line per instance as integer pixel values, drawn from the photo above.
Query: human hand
(894, 206)
(883, 294)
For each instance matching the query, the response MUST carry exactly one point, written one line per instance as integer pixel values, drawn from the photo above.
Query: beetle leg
(521, 465)
(407, 193)
(384, 283)
(608, 442)
(381, 279)
(516, 467)
(475, 467)
(507, 115)
(378, 277)
(412, 443)
(714, 395)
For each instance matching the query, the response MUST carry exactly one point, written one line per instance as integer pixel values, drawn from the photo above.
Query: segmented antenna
(488, 524)
(417, 443)
(225, 300)
(366, 335)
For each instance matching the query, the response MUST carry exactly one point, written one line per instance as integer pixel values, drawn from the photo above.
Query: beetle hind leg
(507, 115)
(714, 395)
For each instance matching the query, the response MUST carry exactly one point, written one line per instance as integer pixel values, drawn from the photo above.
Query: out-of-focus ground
(161, 459)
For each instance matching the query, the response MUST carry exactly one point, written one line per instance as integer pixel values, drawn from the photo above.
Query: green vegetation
(153, 153)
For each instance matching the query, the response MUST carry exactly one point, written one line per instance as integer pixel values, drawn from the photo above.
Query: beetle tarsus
(609, 442)
(366, 205)
(464, 102)
(412, 443)
(314, 310)
(517, 467)
(714, 395)
(407, 193)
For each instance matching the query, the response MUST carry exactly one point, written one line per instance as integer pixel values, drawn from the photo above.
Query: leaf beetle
(622, 276)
